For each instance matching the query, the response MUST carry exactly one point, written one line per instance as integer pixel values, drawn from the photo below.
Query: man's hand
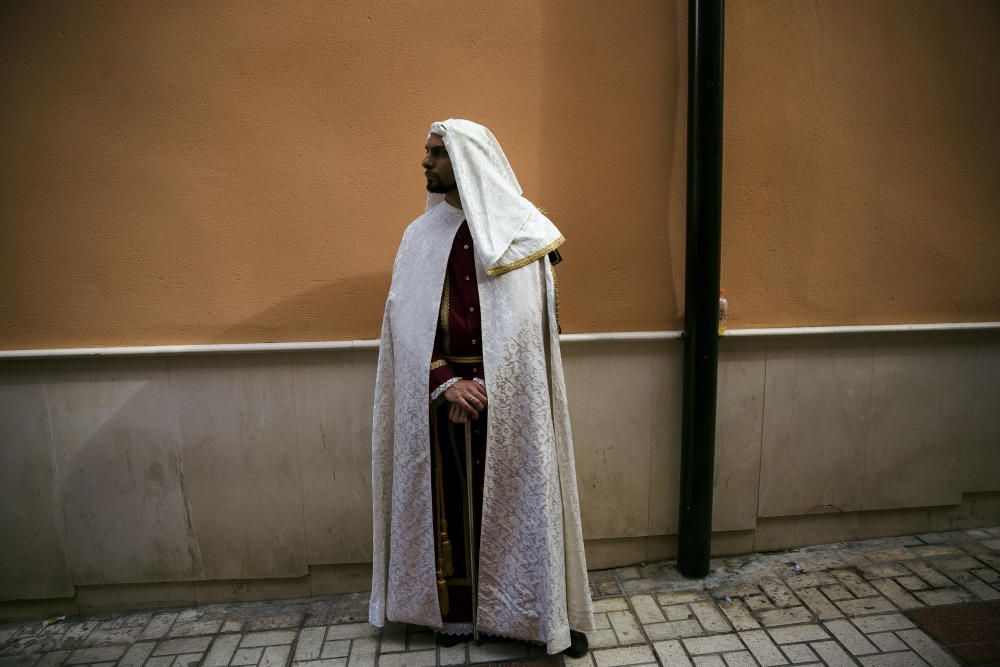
(467, 400)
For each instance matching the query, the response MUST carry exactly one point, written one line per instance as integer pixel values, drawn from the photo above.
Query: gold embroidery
(506, 268)
(464, 360)
(438, 364)
(443, 312)
(555, 289)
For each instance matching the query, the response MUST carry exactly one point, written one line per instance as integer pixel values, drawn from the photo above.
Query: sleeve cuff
(443, 387)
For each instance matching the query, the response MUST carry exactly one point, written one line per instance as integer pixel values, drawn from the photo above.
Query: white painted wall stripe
(606, 337)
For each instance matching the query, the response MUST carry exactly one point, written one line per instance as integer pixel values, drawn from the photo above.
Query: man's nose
(427, 162)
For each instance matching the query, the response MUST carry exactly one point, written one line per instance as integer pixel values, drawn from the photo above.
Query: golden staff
(472, 557)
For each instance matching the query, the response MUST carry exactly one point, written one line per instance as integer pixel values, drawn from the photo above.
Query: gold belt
(464, 360)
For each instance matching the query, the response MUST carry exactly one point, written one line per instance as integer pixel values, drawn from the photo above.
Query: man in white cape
(522, 540)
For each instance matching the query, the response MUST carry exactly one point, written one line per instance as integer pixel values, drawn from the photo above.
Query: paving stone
(310, 644)
(630, 572)
(928, 649)
(797, 634)
(849, 636)
(875, 605)
(611, 604)
(899, 553)
(832, 655)
(194, 628)
(708, 661)
(971, 583)
(19, 661)
(738, 590)
(854, 583)
(677, 612)
(810, 580)
(673, 630)
(714, 644)
(912, 583)
(601, 621)
(232, 625)
(646, 609)
(883, 623)
(179, 646)
(602, 638)
(277, 656)
(163, 661)
(585, 661)
(738, 614)
(494, 650)
(56, 658)
(190, 660)
(778, 592)
(456, 655)
(763, 649)
(944, 596)
(267, 638)
(887, 642)
(363, 652)
(247, 656)
(393, 637)
(827, 561)
(222, 650)
(332, 662)
(338, 648)
(158, 626)
(136, 654)
(290, 619)
(896, 594)
(837, 592)
(904, 659)
(95, 654)
(417, 659)
(609, 588)
(679, 597)
(739, 659)
(883, 570)
(992, 544)
(629, 655)
(709, 617)
(933, 578)
(645, 585)
(671, 653)
(355, 630)
(759, 602)
(789, 616)
(988, 575)
(798, 653)
(419, 641)
(625, 627)
(935, 550)
(958, 564)
(819, 604)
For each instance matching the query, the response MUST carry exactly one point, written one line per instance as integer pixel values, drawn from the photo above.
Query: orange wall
(234, 172)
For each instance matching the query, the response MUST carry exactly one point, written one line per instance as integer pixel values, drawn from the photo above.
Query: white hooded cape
(532, 571)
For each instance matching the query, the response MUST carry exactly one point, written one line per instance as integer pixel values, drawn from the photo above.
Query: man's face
(437, 166)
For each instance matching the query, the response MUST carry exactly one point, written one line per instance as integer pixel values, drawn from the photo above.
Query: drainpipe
(701, 284)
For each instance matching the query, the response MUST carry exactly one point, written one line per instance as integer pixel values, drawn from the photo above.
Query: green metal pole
(701, 289)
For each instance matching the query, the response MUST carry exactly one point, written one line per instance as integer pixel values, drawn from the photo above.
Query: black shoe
(578, 645)
(452, 640)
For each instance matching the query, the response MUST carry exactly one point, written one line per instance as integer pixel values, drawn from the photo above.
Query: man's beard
(437, 186)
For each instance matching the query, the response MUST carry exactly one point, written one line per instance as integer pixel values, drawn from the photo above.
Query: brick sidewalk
(837, 604)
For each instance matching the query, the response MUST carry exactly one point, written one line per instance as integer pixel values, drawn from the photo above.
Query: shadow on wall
(363, 296)
(193, 467)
